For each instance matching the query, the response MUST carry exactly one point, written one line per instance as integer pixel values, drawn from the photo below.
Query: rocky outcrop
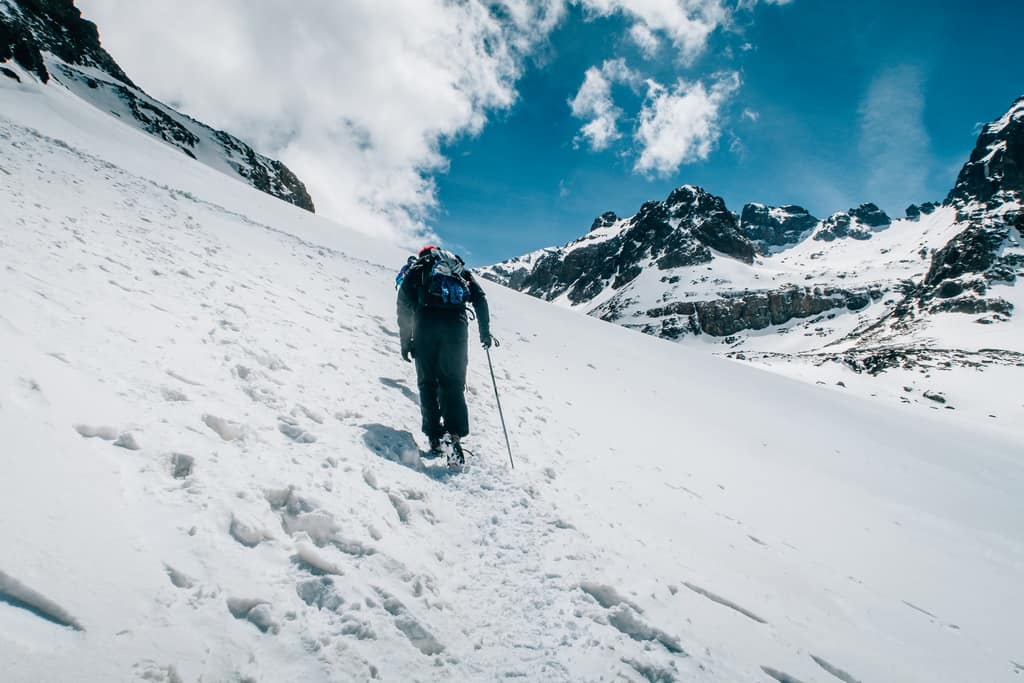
(772, 226)
(859, 224)
(606, 219)
(57, 27)
(50, 39)
(995, 171)
(734, 313)
(915, 211)
(963, 271)
(709, 221)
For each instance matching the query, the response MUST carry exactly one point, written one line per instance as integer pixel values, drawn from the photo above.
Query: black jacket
(410, 310)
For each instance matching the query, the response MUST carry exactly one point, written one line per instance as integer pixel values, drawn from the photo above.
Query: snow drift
(211, 472)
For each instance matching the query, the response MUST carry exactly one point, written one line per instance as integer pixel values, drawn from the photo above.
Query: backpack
(444, 284)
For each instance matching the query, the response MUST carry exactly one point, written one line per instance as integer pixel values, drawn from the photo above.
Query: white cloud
(681, 125)
(355, 96)
(645, 39)
(751, 4)
(594, 102)
(751, 115)
(358, 97)
(687, 23)
(893, 141)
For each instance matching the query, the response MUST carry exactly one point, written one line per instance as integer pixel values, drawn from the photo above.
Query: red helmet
(425, 249)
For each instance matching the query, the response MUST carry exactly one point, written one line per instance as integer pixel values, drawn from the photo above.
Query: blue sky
(838, 103)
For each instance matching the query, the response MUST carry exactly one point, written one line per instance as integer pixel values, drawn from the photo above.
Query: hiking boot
(435, 447)
(456, 458)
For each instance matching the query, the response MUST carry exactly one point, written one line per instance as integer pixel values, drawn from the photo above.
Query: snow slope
(210, 473)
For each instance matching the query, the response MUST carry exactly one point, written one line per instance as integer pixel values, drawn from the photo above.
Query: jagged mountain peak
(915, 211)
(606, 219)
(858, 223)
(995, 172)
(30, 27)
(776, 226)
(688, 228)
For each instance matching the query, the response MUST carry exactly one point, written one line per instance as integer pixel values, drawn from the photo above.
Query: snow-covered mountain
(209, 471)
(856, 281)
(54, 44)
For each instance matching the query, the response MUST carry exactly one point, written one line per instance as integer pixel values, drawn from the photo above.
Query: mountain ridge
(859, 264)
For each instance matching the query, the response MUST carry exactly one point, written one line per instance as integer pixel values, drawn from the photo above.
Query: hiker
(433, 290)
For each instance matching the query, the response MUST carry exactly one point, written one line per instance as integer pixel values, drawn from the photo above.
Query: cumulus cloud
(645, 39)
(893, 141)
(594, 102)
(681, 125)
(359, 97)
(356, 97)
(687, 23)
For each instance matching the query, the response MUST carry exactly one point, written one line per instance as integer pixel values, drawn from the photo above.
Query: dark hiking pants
(442, 352)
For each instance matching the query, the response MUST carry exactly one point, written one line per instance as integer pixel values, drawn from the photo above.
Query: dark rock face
(962, 272)
(869, 214)
(604, 220)
(996, 166)
(680, 231)
(17, 43)
(36, 27)
(750, 311)
(710, 222)
(776, 226)
(838, 226)
(54, 26)
(915, 211)
(972, 251)
(859, 224)
(265, 174)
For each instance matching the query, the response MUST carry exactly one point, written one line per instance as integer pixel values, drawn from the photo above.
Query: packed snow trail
(210, 466)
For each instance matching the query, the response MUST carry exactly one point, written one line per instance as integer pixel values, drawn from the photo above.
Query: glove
(408, 353)
(486, 341)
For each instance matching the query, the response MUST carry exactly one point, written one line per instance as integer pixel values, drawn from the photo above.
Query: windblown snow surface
(210, 468)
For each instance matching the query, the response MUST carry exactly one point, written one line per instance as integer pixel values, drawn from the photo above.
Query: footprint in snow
(834, 670)
(98, 432)
(256, 612)
(724, 602)
(225, 429)
(401, 386)
(181, 465)
(290, 428)
(422, 639)
(393, 444)
(17, 594)
(780, 676)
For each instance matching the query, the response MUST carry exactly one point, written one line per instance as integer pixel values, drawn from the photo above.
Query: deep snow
(673, 516)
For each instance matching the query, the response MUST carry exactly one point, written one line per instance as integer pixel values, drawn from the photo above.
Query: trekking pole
(500, 414)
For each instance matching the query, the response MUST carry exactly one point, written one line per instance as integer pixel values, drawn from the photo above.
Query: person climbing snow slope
(433, 291)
